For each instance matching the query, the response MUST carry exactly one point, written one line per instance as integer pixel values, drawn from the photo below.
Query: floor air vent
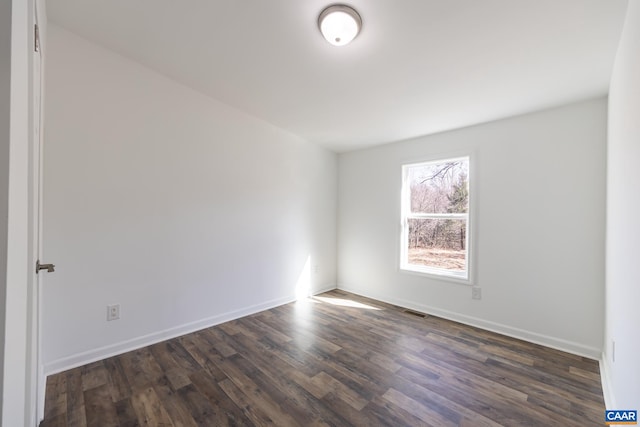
(415, 313)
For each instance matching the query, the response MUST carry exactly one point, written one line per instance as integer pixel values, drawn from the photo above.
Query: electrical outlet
(315, 269)
(113, 312)
(476, 292)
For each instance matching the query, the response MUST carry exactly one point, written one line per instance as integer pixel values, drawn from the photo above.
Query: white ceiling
(418, 67)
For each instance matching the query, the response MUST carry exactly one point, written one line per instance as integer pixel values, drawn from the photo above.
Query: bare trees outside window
(435, 217)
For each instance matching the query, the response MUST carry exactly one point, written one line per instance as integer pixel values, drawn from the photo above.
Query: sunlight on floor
(345, 303)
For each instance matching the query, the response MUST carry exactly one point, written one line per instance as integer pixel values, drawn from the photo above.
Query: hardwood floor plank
(346, 413)
(419, 369)
(529, 380)
(76, 414)
(208, 354)
(256, 414)
(430, 414)
(592, 377)
(56, 399)
(218, 338)
(132, 367)
(386, 413)
(182, 356)
(295, 391)
(201, 409)
(94, 375)
(526, 384)
(126, 414)
(174, 404)
(178, 378)
(264, 330)
(383, 361)
(197, 348)
(334, 360)
(470, 404)
(99, 408)
(147, 363)
(149, 409)
(120, 388)
(238, 371)
(162, 355)
(550, 382)
(508, 354)
(329, 384)
(455, 346)
(227, 413)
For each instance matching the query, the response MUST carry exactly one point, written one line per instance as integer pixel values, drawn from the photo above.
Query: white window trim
(466, 277)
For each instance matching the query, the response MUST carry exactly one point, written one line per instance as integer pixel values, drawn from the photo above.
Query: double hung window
(435, 218)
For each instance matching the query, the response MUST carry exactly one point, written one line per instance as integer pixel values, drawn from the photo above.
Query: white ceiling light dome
(339, 24)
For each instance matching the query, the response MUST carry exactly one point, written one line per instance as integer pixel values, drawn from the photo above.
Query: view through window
(435, 217)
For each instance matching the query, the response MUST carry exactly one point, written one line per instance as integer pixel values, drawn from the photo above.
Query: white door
(36, 382)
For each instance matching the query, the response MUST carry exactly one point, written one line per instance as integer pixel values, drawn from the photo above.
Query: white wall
(184, 211)
(539, 226)
(622, 376)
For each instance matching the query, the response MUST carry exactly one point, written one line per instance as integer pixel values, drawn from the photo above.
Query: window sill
(436, 274)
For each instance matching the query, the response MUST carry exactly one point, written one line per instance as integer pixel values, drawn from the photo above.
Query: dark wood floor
(326, 363)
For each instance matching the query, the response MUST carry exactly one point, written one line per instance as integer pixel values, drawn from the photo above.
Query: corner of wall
(605, 377)
(325, 288)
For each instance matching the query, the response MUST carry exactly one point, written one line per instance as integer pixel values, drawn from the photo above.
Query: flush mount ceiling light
(339, 24)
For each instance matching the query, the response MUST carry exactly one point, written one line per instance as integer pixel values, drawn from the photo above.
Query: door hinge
(36, 38)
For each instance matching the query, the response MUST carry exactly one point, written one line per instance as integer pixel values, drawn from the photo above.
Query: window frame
(406, 214)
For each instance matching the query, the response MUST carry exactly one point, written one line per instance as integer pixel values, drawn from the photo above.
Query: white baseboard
(79, 359)
(93, 355)
(605, 378)
(532, 337)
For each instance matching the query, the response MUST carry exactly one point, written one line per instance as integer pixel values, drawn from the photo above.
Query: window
(435, 218)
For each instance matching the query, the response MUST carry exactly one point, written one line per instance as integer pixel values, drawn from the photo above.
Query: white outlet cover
(113, 312)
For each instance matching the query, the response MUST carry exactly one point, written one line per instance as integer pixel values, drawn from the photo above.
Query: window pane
(439, 187)
(438, 243)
